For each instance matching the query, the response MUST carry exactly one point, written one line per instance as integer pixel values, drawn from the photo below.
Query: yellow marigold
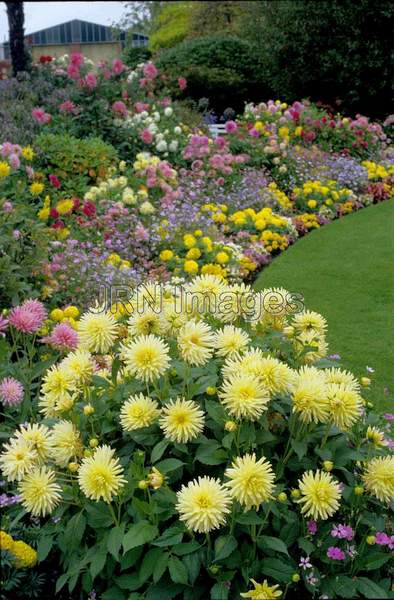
(189, 240)
(101, 476)
(195, 342)
(203, 504)
(262, 591)
(251, 480)
(27, 153)
(25, 555)
(36, 188)
(5, 169)
(222, 258)
(320, 495)
(193, 253)
(6, 541)
(40, 492)
(244, 396)
(190, 266)
(97, 331)
(71, 312)
(182, 420)
(146, 357)
(138, 411)
(379, 478)
(344, 405)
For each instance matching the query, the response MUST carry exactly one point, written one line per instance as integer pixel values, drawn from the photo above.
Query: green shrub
(134, 56)
(223, 68)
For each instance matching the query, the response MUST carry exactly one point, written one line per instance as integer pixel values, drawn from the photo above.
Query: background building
(97, 42)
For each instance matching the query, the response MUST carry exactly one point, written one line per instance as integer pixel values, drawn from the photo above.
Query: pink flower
(63, 337)
(14, 161)
(90, 81)
(141, 233)
(40, 116)
(73, 71)
(67, 106)
(150, 71)
(117, 66)
(119, 107)
(254, 132)
(3, 324)
(182, 83)
(16, 234)
(312, 527)
(36, 307)
(8, 207)
(335, 553)
(389, 416)
(76, 59)
(231, 126)
(24, 320)
(344, 532)
(146, 136)
(140, 107)
(11, 391)
(382, 539)
(54, 181)
(391, 542)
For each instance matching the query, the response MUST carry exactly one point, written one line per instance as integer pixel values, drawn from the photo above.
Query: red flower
(77, 203)
(54, 181)
(53, 213)
(58, 225)
(89, 209)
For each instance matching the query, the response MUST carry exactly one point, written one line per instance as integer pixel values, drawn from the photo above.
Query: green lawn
(345, 270)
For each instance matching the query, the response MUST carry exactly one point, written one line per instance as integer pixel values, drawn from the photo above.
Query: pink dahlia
(182, 83)
(90, 81)
(150, 71)
(29, 317)
(231, 126)
(117, 66)
(63, 337)
(119, 107)
(40, 116)
(36, 307)
(11, 391)
(3, 324)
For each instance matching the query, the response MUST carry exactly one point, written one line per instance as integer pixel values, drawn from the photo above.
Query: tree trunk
(16, 22)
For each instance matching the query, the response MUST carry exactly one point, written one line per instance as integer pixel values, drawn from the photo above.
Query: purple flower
(305, 563)
(312, 527)
(382, 539)
(370, 369)
(335, 357)
(344, 532)
(391, 542)
(335, 553)
(389, 416)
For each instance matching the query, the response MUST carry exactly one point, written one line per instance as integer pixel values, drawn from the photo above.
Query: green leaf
(300, 448)
(224, 546)
(114, 593)
(169, 464)
(98, 515)
(74, 531)
(171, 536)
(369, 588)
(272, 543)
(278, 570)
(219, 591)
(158, 450)
(139, 534)
(375, 561)
(128, 582)
(160, 567)
(61, 582)
(178, 571)
(187, 548)
(249, 518)
(163, 592)
(344, 586)
(98, 562)
(306, 545)
(44, 547)
(215, 411)
(148, 564)
(114, 541)
(193, 566)
(210, 453)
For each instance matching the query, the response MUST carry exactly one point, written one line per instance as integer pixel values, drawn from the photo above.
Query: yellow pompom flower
(310, 401)
(244, 396)
(6, 541)
(195, 342)
(97, 331)
(320, 495)
(379, 478)
(66, 443)
(146, 357)
(27, 153)
(193, 253)
(40, 492)
(36, 188)
(230, 340)
(56, 314)
(71, 312)
(182, 420)
(262, 591)
(25, 555)
(203, 504)
(344, 405)
(190, 266)
(5, 169)
(166, 255)
(222, 258)
(64, 206)
(17, 459)
(101, 476)
(251, 480)
(189, 240)
(138, 411)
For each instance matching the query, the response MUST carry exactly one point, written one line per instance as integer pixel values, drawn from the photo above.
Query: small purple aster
(312, 527)
(344, 532)
(335, 553)
(389, 416)
(382, 539)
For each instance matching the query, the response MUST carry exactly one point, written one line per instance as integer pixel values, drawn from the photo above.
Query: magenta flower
(67, 106)
(344, 532)
(335, 553)
(36, 307)
(54, 181)
(117, 66)
(11, 391)
(90, 81)
(29, 317)
(150, 71)
(182, 83)
(63, 337)
(389, 416)
(120, 108)
(40, 116)
(312, 527)
(146, 136)
(382, 539)
(391, 542)
(231, 126)
(3, 324)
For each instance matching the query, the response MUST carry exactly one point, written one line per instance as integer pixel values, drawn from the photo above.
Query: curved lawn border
(345, 270)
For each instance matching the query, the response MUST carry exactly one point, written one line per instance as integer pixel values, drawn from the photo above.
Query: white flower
(147, 208)
(177, 130)
(144, 114)
(161, 146)
(156, 116)
(168, 111)
(173, 147)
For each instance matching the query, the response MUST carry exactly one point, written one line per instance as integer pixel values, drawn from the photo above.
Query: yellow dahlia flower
(97, 331)
(57, 387)
(230, 340)
(310, 346)
(376, 436)
(251, 480)
(79, 365)
(344, 405)
(25, 555)
(320, 494)
(17, 459)
(339, 376)
(309, 320)
(379, 478)
(40, 492)
(262, 591)
(37, 437)
(182, 420)
(275, 375)
(150, 321)
(146, 357)
(244, 396)
(66, 443)
(203, 504)
(138, 411)
(195, 342)
(310, 401)
(101, 476)
(250, 363)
